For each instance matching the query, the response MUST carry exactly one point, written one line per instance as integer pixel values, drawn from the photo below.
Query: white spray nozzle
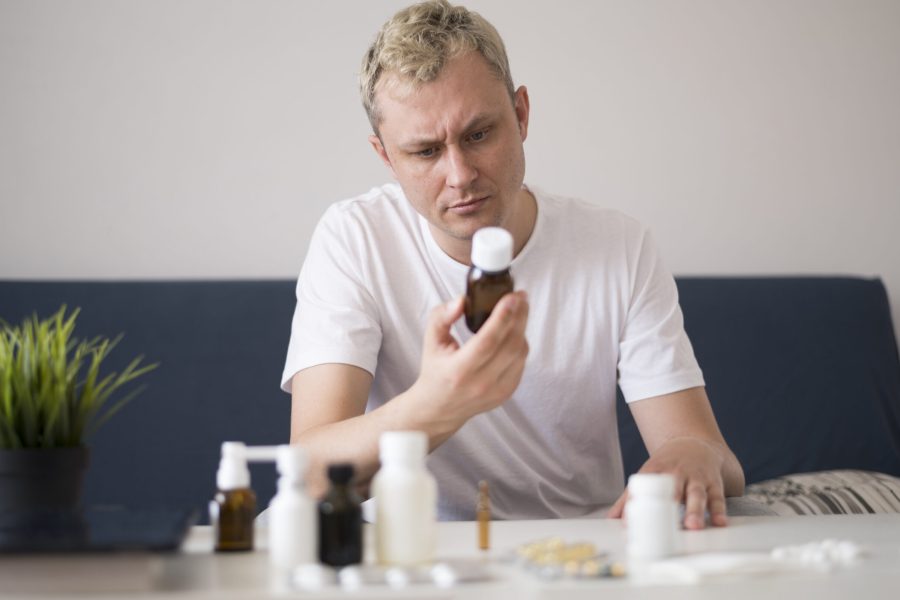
(233, 473)
(262, 453)
(292, 461)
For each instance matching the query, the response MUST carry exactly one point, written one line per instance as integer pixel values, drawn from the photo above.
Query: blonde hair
(418, 41)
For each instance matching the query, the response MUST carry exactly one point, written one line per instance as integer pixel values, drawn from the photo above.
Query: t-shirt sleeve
(655, 354)
(336, 319)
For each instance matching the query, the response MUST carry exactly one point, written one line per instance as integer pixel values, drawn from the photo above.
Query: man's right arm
(455, 383)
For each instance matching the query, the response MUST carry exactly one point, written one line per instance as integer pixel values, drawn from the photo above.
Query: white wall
(203, 138)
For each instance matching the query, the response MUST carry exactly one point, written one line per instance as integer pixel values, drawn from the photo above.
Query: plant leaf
(51, 387)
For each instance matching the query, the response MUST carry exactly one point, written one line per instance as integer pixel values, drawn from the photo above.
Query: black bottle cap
(340, 473)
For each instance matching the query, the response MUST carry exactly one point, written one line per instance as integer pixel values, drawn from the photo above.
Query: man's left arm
(683, 438)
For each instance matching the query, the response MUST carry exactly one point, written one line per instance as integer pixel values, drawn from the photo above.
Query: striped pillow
(829, 493)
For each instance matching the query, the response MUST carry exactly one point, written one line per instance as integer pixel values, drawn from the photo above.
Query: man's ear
(523, 108)
(382, 153)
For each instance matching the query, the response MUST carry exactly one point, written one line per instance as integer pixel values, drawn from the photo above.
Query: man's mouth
(468, 206)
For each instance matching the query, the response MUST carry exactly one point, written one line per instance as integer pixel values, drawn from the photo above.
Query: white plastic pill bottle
(651, 515)
(405, 501)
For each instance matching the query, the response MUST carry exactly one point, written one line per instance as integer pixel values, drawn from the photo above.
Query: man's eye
(478, 135)
(427, 153)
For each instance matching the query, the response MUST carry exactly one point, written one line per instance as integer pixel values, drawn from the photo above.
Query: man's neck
(521, 226)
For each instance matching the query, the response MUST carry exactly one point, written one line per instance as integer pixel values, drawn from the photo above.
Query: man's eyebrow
(418, 143)
(478, 120)
(428, 142)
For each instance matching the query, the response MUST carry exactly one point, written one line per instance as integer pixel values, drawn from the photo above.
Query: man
(527, 403)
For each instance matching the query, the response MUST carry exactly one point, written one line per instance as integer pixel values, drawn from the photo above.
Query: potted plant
(52, 396)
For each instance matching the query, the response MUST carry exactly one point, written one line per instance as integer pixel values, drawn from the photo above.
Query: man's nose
(461, 171)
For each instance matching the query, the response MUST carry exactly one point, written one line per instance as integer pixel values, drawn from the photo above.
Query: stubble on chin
(464, 229)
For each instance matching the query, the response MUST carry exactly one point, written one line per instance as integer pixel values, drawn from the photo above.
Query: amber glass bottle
(340, 520)
(234, 522)
(233, 508)
(489, 278)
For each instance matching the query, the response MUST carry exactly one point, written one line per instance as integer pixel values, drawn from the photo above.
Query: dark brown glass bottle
(483, 291)
(489, 278)
(233, 515)
(340, 520)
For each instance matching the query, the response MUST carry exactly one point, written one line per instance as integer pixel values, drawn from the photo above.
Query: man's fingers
(694, 505)
(717, 508)
(617, 509)
(452, 311)
(510, 313)
(696, 466)
(524, 310)
(440, 320)
(512, 371)
(680, 489)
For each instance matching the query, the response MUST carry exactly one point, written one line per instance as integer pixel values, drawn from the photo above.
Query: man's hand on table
(697, 467)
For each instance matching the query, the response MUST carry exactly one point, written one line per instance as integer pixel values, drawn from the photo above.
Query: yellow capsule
(590, 568)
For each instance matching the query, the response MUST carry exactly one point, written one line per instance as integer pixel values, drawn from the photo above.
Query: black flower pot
(40, 495)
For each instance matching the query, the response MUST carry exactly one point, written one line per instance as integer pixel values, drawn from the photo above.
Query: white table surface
(196, 572)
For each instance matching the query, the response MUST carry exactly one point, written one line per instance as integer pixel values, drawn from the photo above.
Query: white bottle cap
(292, 461)
(233, 473)
(658, 485)
(402, 446)
(492, 249)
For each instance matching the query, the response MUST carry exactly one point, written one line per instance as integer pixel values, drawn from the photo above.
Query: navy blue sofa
(803, 374)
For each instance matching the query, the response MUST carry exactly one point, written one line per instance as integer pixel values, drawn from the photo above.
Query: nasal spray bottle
(233, 509)
(293, 528)
(405, 501)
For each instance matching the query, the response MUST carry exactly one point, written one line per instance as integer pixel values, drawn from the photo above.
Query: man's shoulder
(379, 196)
(570, 211)
(382, 208)
(376, 222)
(378, 199)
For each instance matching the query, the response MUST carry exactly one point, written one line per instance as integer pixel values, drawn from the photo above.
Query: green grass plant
(52, 393)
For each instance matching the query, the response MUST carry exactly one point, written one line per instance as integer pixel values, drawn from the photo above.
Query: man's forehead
(396, 88)
(416, 109)
(409, 126)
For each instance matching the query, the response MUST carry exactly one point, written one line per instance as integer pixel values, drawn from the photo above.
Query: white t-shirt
(602, 308)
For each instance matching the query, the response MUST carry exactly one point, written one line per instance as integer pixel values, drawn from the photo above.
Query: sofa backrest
(802, 373)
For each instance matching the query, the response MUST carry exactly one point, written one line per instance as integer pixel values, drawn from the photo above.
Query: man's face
(455, 147)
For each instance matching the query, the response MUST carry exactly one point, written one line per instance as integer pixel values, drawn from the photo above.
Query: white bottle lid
(408, 447)
(656, 485)
(233, 473)
(291, 461)
(492, 249)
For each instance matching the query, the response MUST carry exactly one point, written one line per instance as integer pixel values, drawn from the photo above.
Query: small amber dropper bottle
(483, 514)
(489, 278)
